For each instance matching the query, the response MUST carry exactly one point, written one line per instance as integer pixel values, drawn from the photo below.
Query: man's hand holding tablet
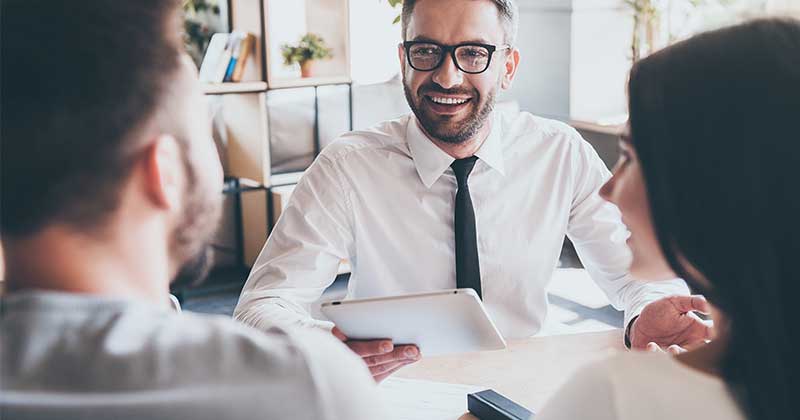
(382, 357)
(393, 331)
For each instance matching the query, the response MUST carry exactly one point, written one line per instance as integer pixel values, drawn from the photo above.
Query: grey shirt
(71, 356)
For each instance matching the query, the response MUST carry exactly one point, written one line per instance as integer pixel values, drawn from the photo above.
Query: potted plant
(310, 48)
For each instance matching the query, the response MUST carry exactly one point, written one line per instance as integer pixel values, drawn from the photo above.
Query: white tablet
(443, 322)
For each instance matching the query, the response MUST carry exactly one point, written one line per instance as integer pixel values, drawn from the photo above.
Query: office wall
(373, 41)
(542, 84)
(575, 58)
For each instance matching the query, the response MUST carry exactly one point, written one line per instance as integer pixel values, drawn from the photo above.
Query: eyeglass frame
(452, 50)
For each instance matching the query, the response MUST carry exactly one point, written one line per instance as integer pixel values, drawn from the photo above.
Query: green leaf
(310, 47)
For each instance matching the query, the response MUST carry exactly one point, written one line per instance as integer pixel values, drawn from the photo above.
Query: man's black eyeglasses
(469, 57)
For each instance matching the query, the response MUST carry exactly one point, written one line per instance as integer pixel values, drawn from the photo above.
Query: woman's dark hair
(715, 121)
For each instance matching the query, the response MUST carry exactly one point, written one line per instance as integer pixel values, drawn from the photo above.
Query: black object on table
(489, 405)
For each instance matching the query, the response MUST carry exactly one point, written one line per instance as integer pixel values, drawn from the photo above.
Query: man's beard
(436, 126)
(190, 242)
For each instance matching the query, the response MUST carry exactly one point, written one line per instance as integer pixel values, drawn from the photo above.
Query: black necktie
(468, 272)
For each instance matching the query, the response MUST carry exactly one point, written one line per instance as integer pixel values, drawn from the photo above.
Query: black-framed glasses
(469, 57)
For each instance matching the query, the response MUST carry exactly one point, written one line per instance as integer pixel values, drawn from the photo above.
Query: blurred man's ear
(187, 61)
(164, 172)
(401, 54)
(510, 68)
(2, 267)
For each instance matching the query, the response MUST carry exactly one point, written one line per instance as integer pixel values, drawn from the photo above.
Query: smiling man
(455, 195)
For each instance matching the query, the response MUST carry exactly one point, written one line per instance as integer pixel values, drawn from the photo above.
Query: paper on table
(410, 399)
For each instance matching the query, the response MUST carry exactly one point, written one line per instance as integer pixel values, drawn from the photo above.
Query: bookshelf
(241, 87)
(275, 122)
(309, 82)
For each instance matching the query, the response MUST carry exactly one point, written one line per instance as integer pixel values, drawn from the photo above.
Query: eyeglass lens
(469, 58)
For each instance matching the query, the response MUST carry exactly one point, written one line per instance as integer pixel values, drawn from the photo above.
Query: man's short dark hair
(80, 81)
(509, 16)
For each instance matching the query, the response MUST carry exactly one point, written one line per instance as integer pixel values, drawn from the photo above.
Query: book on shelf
(246, 47)
(226, 57)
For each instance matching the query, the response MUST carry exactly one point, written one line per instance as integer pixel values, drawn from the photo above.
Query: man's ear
(510, 66)
(164, 172)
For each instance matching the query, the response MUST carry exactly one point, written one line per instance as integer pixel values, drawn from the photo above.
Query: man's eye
(474, 53)
(425, 51)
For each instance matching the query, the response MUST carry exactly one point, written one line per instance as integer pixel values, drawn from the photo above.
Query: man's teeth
(448, 101)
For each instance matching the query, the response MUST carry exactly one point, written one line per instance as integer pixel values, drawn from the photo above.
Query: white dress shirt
(70, 356)
(637, 385)
(383, 198)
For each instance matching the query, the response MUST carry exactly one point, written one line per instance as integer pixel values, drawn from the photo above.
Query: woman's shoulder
(637, 385)
(643, 370)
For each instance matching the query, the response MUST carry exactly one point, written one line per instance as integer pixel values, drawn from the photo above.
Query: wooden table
(529, 371)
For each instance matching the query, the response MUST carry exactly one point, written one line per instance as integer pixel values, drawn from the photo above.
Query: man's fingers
(382, 366)
(697, 335)
(653, 348)
(388, 367)
(675, 350)
(370, 347)
(409, 352)
(706, 328)
(379, 377)
(698, 331)
(686, 304)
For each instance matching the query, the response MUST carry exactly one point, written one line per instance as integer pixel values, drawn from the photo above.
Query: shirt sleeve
(302, 255)
(589, 394)
(596, 229)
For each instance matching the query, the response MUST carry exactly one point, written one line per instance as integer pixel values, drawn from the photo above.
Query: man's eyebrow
(477, 41)
(423, 38)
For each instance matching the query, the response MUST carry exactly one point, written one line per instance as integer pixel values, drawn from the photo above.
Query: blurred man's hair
(81, 83)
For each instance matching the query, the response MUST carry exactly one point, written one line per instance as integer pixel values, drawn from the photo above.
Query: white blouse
(639, 385)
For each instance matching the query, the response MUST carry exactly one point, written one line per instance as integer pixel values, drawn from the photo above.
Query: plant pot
(307, 68)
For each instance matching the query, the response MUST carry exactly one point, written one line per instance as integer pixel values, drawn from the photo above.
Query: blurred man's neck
(128, 263)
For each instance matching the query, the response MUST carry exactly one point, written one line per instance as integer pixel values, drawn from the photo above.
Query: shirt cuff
(627, 336)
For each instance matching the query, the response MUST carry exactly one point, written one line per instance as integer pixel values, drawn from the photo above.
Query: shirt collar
(491, 151)
(431, 161)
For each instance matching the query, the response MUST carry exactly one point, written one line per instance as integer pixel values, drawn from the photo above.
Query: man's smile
(446, 104)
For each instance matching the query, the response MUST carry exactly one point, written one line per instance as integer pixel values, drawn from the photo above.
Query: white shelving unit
(262, 147)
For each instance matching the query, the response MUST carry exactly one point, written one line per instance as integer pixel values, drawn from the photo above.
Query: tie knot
(462, 168)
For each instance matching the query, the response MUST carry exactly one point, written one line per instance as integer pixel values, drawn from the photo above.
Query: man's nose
(448, 75)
